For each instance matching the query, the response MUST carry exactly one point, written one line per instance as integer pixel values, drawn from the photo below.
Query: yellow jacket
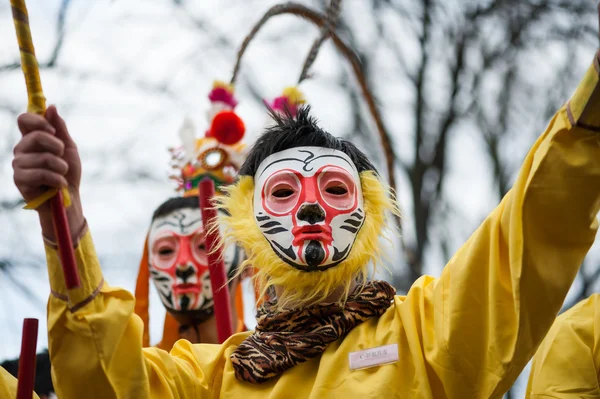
(567, 364)
(465, 335)
(8, 385)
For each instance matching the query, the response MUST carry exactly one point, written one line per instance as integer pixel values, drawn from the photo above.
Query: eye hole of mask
(165, 251)
(337, 190)
(283, 192)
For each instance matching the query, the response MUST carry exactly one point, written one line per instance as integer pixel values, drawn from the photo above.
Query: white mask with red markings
(308, 204)
(178, 261)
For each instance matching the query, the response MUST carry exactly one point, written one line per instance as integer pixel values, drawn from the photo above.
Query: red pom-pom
(227, 128)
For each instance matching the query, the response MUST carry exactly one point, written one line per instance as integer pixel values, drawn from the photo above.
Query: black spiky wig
(299, 131)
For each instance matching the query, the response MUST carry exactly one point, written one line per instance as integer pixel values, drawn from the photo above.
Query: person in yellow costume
(309, 209)
(175, 254)
(567, 364)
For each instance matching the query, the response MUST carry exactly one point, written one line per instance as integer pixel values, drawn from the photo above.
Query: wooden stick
(26, 374)
(216, 266)
(37, 105)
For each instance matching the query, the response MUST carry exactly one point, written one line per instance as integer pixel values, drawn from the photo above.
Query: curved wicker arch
(321, 21)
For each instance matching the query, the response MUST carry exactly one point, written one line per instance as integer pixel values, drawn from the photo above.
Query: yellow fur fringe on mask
(301, 288)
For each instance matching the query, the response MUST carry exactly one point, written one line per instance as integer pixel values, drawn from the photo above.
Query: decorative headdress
(218, 155)
(289, 101)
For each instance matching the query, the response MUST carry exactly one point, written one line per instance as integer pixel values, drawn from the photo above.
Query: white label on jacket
(373, 357)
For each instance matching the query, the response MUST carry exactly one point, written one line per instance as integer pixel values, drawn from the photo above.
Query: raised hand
(47, 157)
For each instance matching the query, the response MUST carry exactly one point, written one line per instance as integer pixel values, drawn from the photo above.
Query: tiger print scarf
(284, 339)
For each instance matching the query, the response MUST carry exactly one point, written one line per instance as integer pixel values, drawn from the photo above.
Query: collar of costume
(284, 339)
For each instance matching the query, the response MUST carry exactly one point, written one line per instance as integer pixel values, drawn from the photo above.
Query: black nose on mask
(184, 274)
(311, 213)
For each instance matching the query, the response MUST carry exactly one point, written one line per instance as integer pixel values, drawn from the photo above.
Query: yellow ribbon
(294, 95)
(42, 199)
(223, 85)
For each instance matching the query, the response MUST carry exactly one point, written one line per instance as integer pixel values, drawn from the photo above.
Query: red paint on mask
(331, 188)
(172, 252)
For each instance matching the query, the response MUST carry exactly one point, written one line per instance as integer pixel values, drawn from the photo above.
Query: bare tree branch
(58, 45)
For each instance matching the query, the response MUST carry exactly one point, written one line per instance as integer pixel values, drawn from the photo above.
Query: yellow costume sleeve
(568, 362)
(8, 385)
(483, 320)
